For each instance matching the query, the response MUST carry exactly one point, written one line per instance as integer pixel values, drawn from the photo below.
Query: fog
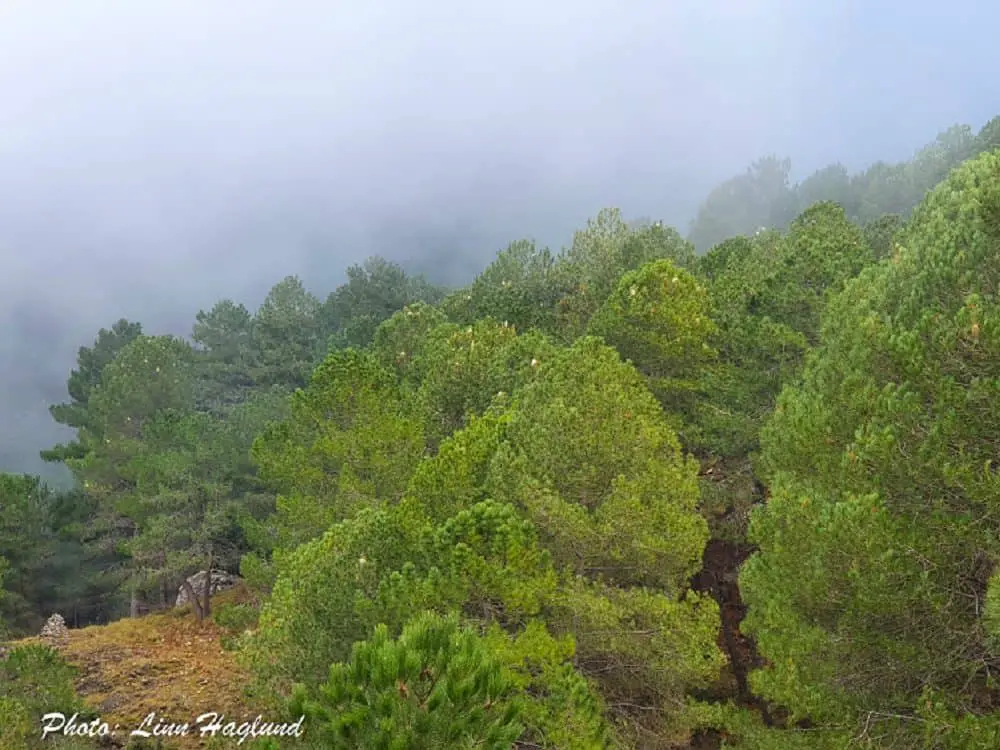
(157, 156)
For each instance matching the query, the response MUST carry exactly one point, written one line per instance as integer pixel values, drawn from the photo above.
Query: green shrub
(435, 686)
(236, 619)
(35, 680)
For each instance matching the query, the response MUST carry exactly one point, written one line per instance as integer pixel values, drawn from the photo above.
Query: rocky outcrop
(55, 632)
(221, 580)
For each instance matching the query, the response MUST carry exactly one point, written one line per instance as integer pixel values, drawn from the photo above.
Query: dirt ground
(165, 664)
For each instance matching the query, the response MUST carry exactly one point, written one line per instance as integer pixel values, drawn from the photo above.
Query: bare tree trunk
(164, 589)
(133, 607)
(207, 607)
(193, 597)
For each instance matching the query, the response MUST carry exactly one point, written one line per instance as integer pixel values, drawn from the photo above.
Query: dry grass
(168, 664)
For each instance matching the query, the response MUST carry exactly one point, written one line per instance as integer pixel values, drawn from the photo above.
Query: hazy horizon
(160, 156)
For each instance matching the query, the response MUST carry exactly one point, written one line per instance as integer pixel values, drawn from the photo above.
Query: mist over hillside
(160, 156)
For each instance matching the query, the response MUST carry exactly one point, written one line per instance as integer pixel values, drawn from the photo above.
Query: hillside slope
(167, 664)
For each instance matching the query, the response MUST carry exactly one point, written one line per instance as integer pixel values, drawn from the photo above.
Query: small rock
(110, 703)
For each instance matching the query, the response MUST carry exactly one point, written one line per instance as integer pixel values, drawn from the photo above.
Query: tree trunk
(133, 606)
(193, 597)
(164, 588)
(207, 607)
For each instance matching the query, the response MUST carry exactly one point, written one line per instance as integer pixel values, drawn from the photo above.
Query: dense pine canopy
(532, 512)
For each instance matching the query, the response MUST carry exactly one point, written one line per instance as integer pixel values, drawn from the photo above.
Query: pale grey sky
(157, 155)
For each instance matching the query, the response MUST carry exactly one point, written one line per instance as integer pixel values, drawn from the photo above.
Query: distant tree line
(762, 198)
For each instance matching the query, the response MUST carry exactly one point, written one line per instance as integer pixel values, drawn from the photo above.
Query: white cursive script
(246, 730)
(56, 722)
(209, 724)
(150, 727)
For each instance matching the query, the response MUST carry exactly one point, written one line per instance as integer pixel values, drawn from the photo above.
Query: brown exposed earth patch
(166, 664)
